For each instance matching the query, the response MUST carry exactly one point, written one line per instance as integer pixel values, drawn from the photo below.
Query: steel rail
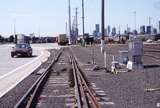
(29, 98)
(77, 89)
(88, 92)
(82, 89)
(87, 97)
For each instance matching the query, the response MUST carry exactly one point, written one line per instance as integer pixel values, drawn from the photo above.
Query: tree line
(9, 39)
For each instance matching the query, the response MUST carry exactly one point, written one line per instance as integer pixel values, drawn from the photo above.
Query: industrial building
(149, 30)
(142, 29)
(113, 31)
(96, 32)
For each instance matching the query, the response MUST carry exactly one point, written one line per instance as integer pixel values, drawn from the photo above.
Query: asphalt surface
(7, 63)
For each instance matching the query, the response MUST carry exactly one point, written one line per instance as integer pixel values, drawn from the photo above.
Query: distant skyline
(50, 16)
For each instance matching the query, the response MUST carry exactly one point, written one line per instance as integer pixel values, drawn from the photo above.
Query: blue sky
(50, 16)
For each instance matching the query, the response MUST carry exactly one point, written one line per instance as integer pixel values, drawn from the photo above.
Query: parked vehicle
(23, 49)
(62, 39)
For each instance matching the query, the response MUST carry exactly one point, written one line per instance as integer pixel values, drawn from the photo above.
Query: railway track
(84, 95)
(62, 85)
(29, 99)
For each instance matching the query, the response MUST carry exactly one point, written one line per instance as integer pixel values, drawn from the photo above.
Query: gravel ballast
(125, 89)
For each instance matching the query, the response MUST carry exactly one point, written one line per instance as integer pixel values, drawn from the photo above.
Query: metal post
(92, 48)
(102, 21)
(69, 21)
(66, 28)
(83, 40)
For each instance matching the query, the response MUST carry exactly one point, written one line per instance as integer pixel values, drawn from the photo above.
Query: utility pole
(39, 33)
(83, 40)
(102, 25)
(15, 36)
(69, 21)
(76, 23)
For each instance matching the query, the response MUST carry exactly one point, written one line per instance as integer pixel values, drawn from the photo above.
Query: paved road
(8, 64)
(14, 70)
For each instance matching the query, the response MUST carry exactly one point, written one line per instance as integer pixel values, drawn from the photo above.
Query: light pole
(135, 20)
(69, 21)
(102, 25)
